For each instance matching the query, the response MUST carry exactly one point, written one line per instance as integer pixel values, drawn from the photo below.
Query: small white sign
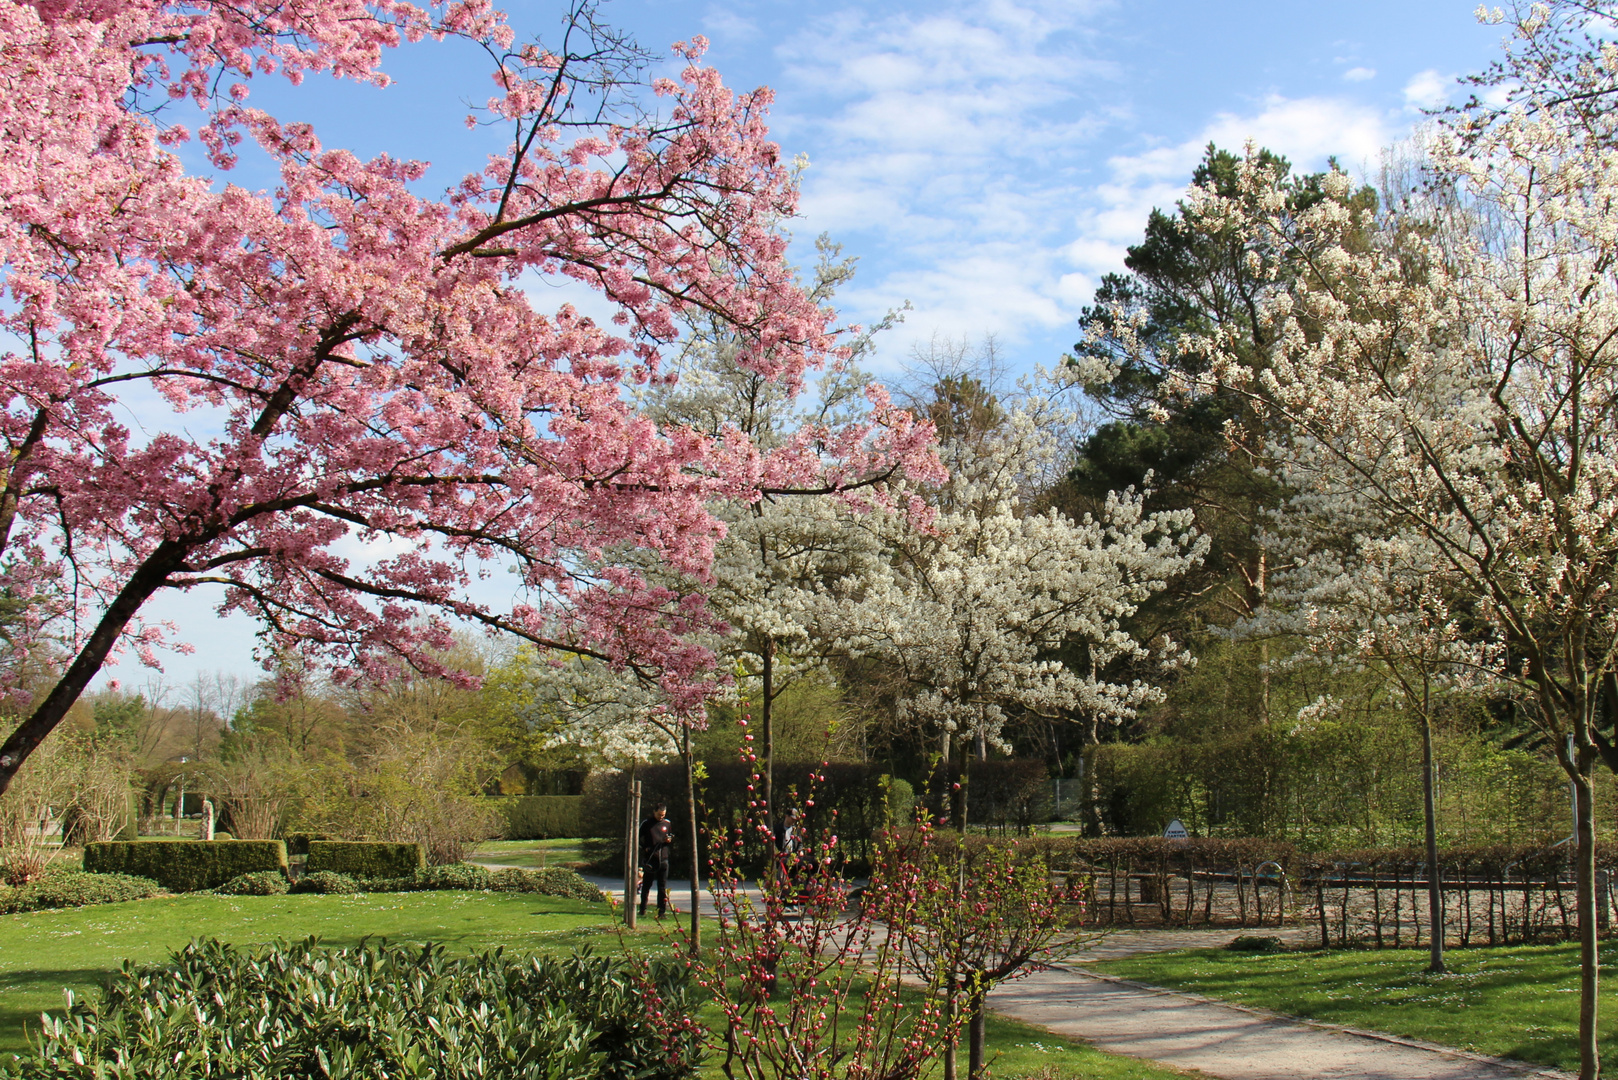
(1176, 831)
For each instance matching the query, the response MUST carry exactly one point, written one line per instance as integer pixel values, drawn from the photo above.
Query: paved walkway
(1196, 1033)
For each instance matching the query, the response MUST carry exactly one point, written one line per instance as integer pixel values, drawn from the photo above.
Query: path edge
(1527, 1068)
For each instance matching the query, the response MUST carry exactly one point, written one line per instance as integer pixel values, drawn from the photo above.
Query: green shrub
(1258, 944)
(540, 817)
(326, 883)
(365, 859)
(458, 876)
(75, 888)
(298, 842)
(378, 1010)
(263, 883)
(186, 865)
(552, 881)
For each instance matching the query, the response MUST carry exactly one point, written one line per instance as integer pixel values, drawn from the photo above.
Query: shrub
(552, 881)
(326, 883)
(380, 1011)
(298, 842)
(1251, 943)
(186, 865)
(75, 888)
(365, 859)
(541, 817)
(459, 876)
(263, 883)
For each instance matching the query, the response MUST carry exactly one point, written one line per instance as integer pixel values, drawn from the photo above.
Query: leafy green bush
(185, 865)
(1252, 943)
(263, 883)
(378, 1010)
(365, 859)
(298, 842)
(540, 817)
(551, 881)
(326, 883)
(458, 876)
(75, 888)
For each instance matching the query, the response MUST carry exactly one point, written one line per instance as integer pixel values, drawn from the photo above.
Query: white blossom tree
(973, 608)
(1449, 389)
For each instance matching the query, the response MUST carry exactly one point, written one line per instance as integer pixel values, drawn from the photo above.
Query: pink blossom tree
(344, 358)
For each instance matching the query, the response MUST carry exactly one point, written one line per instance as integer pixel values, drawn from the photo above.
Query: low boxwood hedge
(328, 883)
(75, 888)
(378, 1010)
(185, 865)
(364, 858)
(262, 883)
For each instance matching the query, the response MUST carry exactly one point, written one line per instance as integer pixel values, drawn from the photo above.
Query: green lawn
(43, 951)
(1517, 1003)
(530, 854)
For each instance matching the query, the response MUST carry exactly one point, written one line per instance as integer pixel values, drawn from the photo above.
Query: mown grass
(530, 854)
(1519, 1002)
(43, 952)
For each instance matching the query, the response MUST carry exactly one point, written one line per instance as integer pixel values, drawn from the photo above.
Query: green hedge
(185, 865)
(298, 842)
(364, 858)
(541, 817)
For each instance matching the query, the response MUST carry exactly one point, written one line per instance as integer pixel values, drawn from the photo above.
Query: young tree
(344, 357)
(1450, 390)
(972, 610)
(780, 551)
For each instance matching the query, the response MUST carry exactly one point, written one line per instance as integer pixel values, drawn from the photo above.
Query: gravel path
(1211, 1037)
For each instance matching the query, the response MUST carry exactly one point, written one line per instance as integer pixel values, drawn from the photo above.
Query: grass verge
(41, 952)
(530, 854)
(1519, 1002)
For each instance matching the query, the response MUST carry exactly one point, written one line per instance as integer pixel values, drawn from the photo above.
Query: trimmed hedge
(327, 883)
(298, 842)
(365, 859)
(377, 1010)
(75, 888)
(263, 883)
(186, 865)
(540, 817)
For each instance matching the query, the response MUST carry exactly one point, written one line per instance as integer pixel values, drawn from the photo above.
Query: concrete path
(1221, 1040)
(1196, 1033)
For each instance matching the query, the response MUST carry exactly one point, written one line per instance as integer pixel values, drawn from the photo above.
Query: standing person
(656, 841)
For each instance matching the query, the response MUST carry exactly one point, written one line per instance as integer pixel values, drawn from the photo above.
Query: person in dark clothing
(656, 841)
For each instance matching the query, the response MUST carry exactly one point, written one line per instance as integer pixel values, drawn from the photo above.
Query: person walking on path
(656, 842)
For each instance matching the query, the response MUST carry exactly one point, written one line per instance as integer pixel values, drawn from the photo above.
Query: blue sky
(987, 160)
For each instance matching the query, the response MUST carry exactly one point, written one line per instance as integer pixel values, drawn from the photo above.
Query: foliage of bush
(1256, 944)
(263, 883)
(540, 817)
(551, 881)
(396, 1011)
(326, 883)
(365, 858)
(459, 876)
(298, 842)
(186, 865)
(75, 888)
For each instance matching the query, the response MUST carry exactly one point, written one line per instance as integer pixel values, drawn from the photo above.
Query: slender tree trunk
(767, 719)
(977, 1037)
(1589, 947)
(1435, 893)
(949, 1027)
(696, 848)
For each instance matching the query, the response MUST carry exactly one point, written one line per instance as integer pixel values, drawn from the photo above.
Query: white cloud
(1359, 74)
(1428, 90)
